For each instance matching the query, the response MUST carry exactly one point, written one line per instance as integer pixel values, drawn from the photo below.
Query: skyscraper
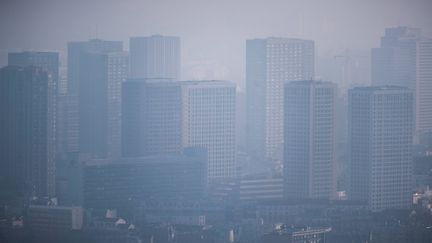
(151, 117)
(27, 132)
(423, 90)
(404, 59)
(49, 61)
(160, 116)
(76, 50)
(155, 56)
(309, 139)
(77, 70)
(380, 141)
(209, 122)
(101, 76)
(270, 62)
(394, 62)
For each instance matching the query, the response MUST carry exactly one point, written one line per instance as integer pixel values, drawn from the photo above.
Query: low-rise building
(54, 218)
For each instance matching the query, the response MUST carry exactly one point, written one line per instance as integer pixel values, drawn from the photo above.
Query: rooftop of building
(308, 82)
(182, 204)
(400, 31)
(17, 68)
(154, 36)
(323, 202)
(33, 52)
(207, 82)
(380, 88)
(171, 81)
(189, 156)
(153, 80)
(97, 40)
(45, 207)
(280, 39)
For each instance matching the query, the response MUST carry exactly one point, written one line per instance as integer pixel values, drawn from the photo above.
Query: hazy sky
(213, 33)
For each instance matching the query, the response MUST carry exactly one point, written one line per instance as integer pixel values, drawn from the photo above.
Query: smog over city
(230, 121)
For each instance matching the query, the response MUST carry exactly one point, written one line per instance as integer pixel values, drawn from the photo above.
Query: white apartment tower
(209, 122)
(155, 57)
(424, 86)
(163, 116)
(269, 63)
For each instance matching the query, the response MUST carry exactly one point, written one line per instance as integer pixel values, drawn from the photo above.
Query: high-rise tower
(380, 142)
(162, 117)
(405, 59)
(151, 117)
(309, 139)
(96, 70)
(269, 63)
(27, 132)
(209, 122)
(155, 57)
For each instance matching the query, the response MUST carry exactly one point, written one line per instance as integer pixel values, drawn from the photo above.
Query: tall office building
(101, 77)
(27, 132)
(76, 50)
(49, 62)
(309, 139)
(155, 56)
(404, 59)
(161, 116)
(424, 87)
(269, 63)
(209, 122)
(394, 62)
(68, 124)
(77, 54)
(380, 141)
(151, 117)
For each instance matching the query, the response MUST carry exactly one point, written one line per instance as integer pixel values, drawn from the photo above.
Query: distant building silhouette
(309, 140)
(54, 219)
(100, 103)
(380, 142)
(269, 63)
(261, 188)
(96, 70)
(76, 57)
(151, 117)
(69, 173)
(423, 95)
(404, 59)
(155, 56)
(27, 132)
(49, 61)
(76, 50)
(209, 122)
(160, 116)
(125, 183)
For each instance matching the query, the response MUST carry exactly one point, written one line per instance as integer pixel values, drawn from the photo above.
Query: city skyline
(222, 61)
(215, 121)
